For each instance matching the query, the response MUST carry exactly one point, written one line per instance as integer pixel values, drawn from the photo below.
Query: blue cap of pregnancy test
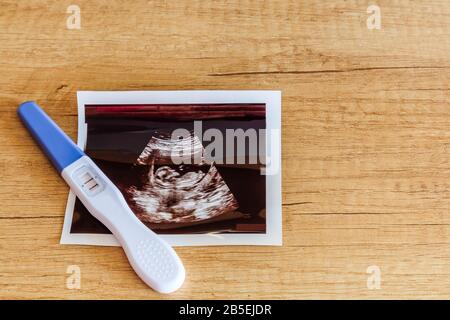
(58, 147)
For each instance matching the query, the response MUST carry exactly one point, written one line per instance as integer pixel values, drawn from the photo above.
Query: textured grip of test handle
(154, 260)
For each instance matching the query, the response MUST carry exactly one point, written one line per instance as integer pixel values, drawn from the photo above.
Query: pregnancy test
(152, 258)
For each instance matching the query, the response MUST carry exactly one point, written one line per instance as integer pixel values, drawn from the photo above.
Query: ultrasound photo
(135, 146)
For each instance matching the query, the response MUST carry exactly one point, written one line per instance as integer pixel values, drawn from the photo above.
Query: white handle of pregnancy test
(153, 259)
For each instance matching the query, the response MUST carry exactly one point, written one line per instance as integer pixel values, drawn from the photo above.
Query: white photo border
(272, 100)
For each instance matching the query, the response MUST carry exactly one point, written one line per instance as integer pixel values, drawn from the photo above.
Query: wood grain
(366, 140)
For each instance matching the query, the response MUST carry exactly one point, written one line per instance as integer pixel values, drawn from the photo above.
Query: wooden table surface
(366, 139)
